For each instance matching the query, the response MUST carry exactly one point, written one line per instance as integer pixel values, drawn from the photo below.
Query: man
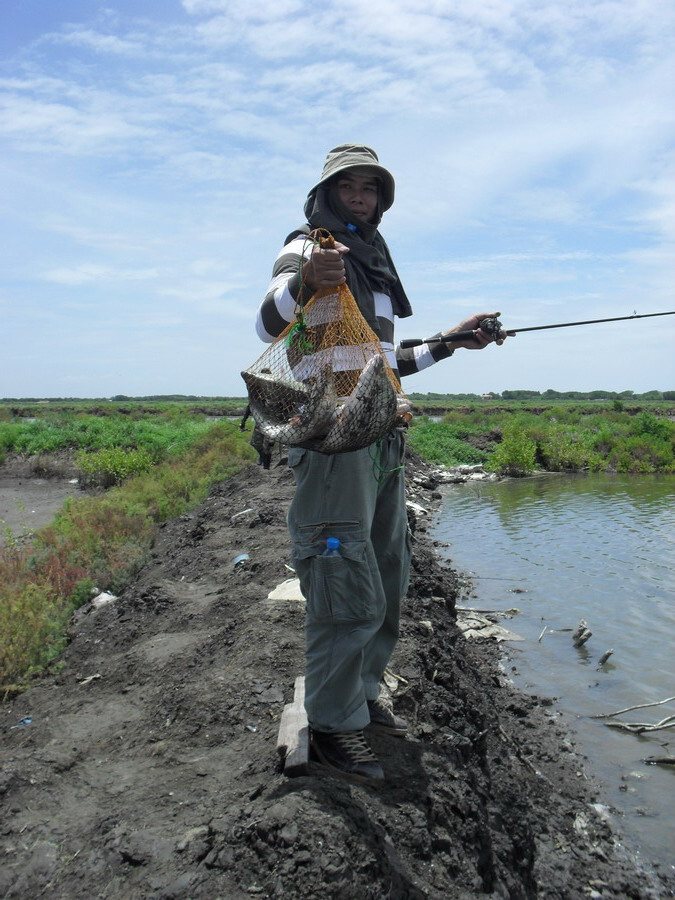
(352, 600)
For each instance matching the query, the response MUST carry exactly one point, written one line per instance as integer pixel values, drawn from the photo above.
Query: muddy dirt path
(145, 766)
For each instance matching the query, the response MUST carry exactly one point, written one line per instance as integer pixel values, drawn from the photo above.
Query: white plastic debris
(417, 508)
(245, 517)
(287, 590)
(103, 599)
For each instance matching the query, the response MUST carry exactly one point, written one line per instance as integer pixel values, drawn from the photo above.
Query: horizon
(177, 397)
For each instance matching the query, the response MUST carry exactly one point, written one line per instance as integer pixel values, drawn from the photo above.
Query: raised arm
(300, 269)
(415, 359)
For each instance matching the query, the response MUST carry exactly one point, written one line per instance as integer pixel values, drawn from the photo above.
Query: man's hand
(325, 268)
(482, 338)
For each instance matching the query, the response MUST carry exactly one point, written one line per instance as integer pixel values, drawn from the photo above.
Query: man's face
(359, 194)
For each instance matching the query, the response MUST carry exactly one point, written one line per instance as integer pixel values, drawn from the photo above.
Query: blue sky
(155, 153)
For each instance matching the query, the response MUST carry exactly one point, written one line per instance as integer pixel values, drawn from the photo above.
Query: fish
(278, 398)
(310, 414)
(293, 423)
(366, 415)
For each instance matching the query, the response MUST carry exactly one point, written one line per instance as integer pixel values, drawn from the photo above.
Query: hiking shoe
(347, 755)
(383, 719)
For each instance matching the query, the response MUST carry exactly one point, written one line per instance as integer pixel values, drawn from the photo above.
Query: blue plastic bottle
(332, 547)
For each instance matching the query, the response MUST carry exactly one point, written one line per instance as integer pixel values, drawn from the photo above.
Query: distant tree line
(118, 398)
(490, 395)
(552, 395)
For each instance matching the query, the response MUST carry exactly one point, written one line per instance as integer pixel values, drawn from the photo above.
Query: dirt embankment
(146, 767)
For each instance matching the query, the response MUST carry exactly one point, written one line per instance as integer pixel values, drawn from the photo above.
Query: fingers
(495, 332)
(498, 340)
(482, 338)
(492, 332)
(325, 268)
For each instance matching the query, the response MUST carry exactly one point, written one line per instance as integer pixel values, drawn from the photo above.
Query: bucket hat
(350, 156)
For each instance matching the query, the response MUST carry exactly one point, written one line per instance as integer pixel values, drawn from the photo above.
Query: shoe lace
(383, 703)
(355, 745)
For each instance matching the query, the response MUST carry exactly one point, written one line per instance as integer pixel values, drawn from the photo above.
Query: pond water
(595, 547)
(28, 503)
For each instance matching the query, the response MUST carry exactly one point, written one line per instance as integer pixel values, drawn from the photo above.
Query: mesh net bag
(325, 383)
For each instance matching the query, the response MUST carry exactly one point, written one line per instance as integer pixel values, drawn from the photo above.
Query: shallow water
(27, 504)
(601, 548)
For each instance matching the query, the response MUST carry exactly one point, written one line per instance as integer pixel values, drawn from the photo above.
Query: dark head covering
(352, 156)
(368, 264)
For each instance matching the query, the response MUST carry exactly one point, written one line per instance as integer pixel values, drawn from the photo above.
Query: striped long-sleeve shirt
(284, 293)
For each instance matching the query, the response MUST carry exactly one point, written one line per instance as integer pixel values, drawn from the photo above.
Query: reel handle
(492, 326)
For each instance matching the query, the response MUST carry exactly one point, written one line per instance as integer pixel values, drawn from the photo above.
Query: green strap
(379, 473)
(297, 334)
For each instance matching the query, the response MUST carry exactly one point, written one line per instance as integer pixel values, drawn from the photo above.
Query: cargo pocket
(295, 456)
(337, 588)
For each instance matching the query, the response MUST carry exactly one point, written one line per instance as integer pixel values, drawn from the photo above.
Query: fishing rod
(493, 327)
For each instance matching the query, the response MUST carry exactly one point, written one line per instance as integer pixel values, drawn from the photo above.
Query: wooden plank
(293, 739)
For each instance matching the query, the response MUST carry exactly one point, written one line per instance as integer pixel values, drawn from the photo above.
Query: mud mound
(148, 767)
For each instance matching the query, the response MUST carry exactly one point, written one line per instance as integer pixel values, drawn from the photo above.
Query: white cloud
(100, 43)
(91, 273)
(92, 123)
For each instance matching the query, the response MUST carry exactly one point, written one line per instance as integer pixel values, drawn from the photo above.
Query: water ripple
(596, 547)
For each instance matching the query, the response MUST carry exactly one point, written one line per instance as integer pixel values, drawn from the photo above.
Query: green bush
(7, 435)
(516, 454)
(440, 443)
(563, 449)
(659, 428)
(642, 454)
(112, 466)
(32, 620)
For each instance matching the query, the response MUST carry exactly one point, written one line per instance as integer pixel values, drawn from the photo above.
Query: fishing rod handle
(448, 339)
(491, 326)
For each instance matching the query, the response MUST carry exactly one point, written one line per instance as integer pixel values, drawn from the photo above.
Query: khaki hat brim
(350, 156)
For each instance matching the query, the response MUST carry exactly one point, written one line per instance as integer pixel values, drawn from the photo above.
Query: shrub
(32, 619)
(516, 454)
(105, 468)
(563, 449)
(641, 454)
(604, 440)
(439, 443)
(647, 424)
(96, 538)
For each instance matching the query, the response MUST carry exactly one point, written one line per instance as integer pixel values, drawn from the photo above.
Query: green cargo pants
(352, 601)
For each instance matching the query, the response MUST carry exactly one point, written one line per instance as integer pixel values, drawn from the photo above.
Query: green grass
(161, 436)
(596, 400)
(446, 444)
